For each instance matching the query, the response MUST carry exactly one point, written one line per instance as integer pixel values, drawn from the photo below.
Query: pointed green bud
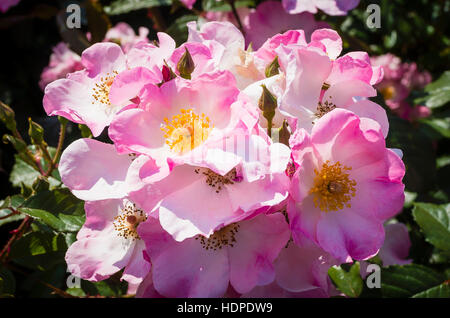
(7, 116)
(36, 133)
(250, 48)
(17, 143)
(284, 134)
(272, 68)
(268, 104)
(186, 65)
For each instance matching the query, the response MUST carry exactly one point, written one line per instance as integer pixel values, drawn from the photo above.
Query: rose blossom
(202, 138)
(62, 62)
(399, 80)
(313, 79)
(241, 253)
(346, 185)
(84, 96)
(108, 242)
(124, 35)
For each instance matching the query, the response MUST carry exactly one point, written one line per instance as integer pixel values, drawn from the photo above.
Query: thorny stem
(17, 234)
(47, 157)
(62, 135)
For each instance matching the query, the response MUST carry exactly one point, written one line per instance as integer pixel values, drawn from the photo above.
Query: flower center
(226, 236)
(186, 131)
(333, 189)
(101, 89)
(217, 181)
(388, 92)
(126, 223)
(324, 108)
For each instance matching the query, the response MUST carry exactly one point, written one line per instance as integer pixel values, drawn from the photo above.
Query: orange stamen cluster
(333, 188)
(101, 89)
(186, 131)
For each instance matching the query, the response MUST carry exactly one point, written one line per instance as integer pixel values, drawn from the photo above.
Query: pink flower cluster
(64, 61)
(197, 196)
(398, 82)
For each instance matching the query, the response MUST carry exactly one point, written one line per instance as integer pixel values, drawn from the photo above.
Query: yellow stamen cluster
(186, 131)
(216, 180)
(126, 223)
(333, 188)
(226, 236)
(101, 89)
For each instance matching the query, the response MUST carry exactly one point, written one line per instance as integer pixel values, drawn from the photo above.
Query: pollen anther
(333, 188)
(126, 223)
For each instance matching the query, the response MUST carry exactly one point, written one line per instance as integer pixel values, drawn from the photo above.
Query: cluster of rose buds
(233, 171)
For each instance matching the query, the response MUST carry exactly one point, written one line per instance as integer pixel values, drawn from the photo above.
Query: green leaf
(39, 250)
(11, 202)
(440, 257)
(214, 5)
(56, 201)
(59, 209)
(434, 221)
(408, 280)
(418, 154)
(441, 291)
(125, 6)
(45, 217)
(77, 292)
(7, 116)
(178, 29)
(443, 161)
(439, 91)
(350, 283)
(22, 172)
(440, 125)
(111, 287)
(12, 218)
